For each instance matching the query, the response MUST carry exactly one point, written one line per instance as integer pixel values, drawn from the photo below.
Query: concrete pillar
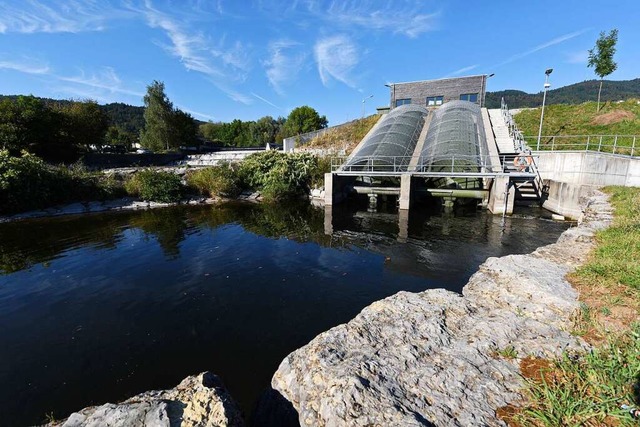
(497, 196)
(328, 189)
(328, 220)
(405, 191)
(403, 225)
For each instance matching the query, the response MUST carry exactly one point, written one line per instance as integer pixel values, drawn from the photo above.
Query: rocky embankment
(199, 400)
(440, 358)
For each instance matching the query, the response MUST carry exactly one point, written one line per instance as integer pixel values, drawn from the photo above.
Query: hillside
(614, 118)
(573, 94)
(344, 137)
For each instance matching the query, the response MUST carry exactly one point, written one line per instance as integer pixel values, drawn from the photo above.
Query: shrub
(217, 181)
(155, 186)
(278, 175)
(27, 182)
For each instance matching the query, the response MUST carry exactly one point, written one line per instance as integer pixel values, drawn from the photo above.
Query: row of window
(433, 101)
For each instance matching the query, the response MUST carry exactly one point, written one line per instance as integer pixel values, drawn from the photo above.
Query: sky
(240, 59)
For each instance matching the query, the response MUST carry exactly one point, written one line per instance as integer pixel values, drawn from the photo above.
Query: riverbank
(440, 357)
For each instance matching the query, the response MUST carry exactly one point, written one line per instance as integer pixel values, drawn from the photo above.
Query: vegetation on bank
(589, 389)
(345, 137)
(28, 183)
(619, 118)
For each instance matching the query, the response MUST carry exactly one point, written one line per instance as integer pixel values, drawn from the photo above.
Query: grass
(560, 120)
(345, 137)
(589, 389)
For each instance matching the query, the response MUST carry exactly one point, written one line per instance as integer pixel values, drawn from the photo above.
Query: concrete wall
(564, 198)
(450, 89)
(589, 168)
(213, 159)
(107, 161)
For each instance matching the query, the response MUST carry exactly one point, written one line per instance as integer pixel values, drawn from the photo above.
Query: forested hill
(573, 94)
(127, 117)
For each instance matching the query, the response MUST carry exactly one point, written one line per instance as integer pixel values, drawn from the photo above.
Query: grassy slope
(582, 119)
(345, 137)
(590, 389)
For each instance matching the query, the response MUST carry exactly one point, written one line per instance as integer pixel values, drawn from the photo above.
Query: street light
(363, 101)
(484, 95)
(544, 98)
(393, 96)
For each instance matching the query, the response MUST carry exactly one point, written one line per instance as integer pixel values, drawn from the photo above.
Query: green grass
(347, 136)
(582, 119)
(590, 388)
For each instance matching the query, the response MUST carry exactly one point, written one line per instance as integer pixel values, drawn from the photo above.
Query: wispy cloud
(197, 114)
(198, 54)
(463, 70)
(336, 57)
(545, 45)
(70, 16)
(406, 17)
(105, 80)
(25, 66)
(580, 57)
(281, 67)
(266, 101)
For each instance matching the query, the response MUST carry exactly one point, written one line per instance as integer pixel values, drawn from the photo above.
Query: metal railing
(624, 145)
(455, 165)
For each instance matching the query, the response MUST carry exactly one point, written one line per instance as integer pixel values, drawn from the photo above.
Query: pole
(363, 101)
(544, 98)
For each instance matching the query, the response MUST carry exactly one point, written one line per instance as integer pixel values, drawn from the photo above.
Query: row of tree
(59, 130)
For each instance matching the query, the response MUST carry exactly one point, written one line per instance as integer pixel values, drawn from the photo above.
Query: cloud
(197, 114)
(281, 68)
(336, 57)
(400, 17)
(197, 54)
(27, 66)
(545, 45)
(266, 101)
(70, 16)
(105, 80)
(580, 57)
(463, 70)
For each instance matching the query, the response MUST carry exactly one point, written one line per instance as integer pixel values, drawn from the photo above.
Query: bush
(155, 186)
(218, 181)
(27, 182)
(278, 175)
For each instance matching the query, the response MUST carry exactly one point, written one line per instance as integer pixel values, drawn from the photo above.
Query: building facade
(433, 93)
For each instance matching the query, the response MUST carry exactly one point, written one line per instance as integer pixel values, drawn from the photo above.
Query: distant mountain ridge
(576, 93)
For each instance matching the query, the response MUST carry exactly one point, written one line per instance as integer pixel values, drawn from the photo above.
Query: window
(432, 101)
(403, 101)
(471, 97)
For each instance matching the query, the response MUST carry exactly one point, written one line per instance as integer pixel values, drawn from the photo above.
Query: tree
(302, 120)
(185, 129)
(157, 133)
(83, 123)
(264, 131)
(601, 56)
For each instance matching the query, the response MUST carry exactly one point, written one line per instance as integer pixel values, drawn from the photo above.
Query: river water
(97, 308)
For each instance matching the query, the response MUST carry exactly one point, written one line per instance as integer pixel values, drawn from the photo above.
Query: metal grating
(456, 141)
(392, 143)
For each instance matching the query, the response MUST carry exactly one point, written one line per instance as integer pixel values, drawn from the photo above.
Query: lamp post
(393, 96)
(363, 101)
(484, 93)
(544, 98)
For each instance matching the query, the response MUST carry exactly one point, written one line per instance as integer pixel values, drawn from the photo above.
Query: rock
(433, 358)
(199, 400)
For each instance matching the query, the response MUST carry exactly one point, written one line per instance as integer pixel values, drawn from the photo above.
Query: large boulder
(199, 400)
(440, 358)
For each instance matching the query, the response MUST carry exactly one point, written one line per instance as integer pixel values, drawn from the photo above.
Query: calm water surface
(97, 308)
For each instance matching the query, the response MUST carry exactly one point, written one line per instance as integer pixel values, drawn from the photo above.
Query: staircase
(528, 190)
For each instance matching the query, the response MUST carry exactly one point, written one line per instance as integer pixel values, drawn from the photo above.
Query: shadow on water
(100, 307)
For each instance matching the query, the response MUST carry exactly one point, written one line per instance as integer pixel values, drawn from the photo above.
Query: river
(100, 307)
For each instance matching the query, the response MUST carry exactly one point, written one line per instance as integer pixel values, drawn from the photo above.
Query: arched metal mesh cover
(456, 141)
(390, 146)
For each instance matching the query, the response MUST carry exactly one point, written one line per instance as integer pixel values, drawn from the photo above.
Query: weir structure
(457, 152)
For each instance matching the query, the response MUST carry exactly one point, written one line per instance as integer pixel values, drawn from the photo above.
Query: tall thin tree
(601, 56)
(158, 115)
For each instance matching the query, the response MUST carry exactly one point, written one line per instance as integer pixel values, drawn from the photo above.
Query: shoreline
(440, 357)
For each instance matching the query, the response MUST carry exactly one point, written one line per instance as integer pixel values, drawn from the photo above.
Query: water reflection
(100, 307)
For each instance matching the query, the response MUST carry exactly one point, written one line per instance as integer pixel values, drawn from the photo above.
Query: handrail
(624, 145)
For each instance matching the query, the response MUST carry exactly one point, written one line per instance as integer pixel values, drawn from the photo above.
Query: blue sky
(228, 59)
